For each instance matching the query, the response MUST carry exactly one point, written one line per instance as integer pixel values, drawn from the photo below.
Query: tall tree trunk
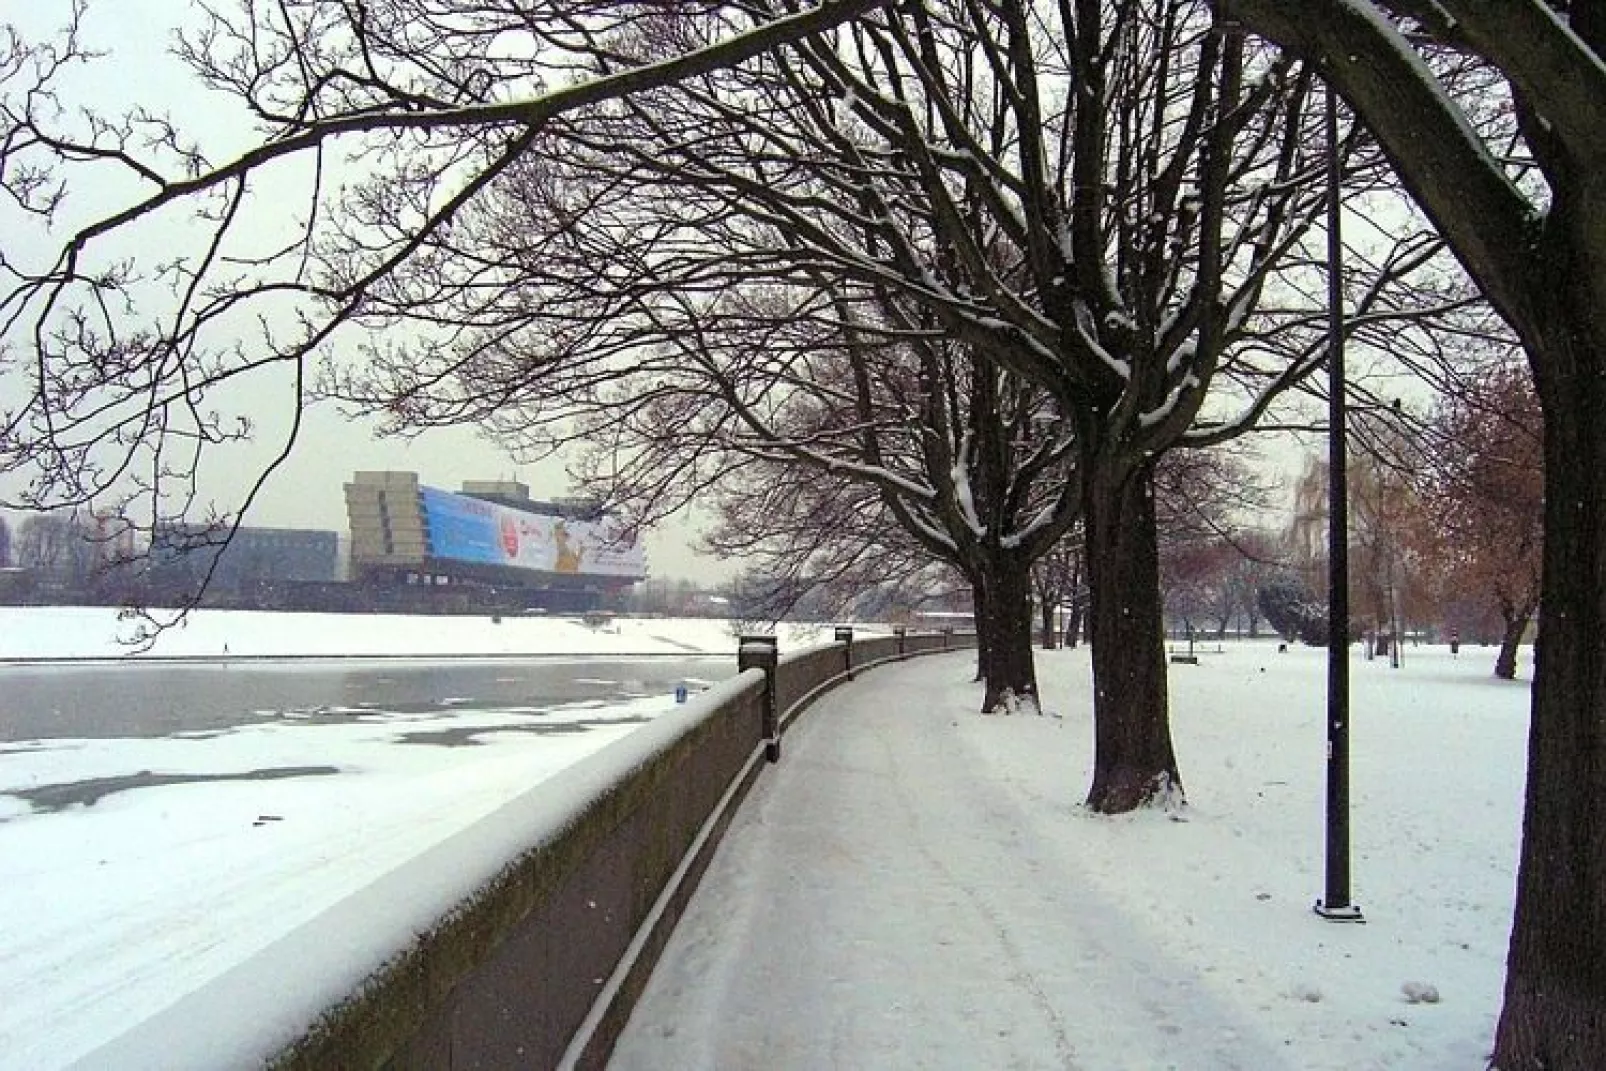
(1050, 636)
(978, 614)
(1074, 613)
(1554, 1015)
(1010, 672)
(1133, 760)
(1515, 621)
(1073, 625)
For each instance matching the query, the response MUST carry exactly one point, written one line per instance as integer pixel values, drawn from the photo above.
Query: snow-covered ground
(111, 911)
(914, 886)
(92, 632)
(917, 886)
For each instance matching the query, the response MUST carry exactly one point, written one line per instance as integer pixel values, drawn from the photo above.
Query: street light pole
(1335, 905)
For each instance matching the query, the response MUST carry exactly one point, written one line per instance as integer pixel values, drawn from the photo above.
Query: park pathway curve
(890, 897)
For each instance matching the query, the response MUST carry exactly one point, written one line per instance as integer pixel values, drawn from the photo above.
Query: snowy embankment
(94, 632)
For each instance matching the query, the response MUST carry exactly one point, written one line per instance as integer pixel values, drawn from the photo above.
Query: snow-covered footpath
(917, 886)
(109, 913)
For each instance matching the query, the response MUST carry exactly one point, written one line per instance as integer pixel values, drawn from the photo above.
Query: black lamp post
(1335, 905)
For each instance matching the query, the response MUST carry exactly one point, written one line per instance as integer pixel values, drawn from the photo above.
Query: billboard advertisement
(471, 530)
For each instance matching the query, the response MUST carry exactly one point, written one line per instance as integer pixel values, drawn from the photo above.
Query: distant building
(181, 555)
(491, 543)
(301, 555)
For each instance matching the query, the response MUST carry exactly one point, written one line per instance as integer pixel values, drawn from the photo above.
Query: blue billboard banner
(471, 530)
(461, 528)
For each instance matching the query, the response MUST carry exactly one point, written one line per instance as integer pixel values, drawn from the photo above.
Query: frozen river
(164, 822)
(105, 701)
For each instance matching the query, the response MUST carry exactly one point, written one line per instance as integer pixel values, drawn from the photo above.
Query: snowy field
(111, 911)
(1138, 942)
(917, 886)
(75, 632)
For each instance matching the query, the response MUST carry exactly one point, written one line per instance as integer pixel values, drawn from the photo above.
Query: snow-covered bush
(1292, 611)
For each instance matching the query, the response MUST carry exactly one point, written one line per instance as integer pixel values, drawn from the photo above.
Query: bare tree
(1115, 209)
(810, 539)
(1202, 500)
(1193, 577)
(1483, 491)
(840, 459)
(59, 548)
(1110, 200)
(130, 368)
(1258, 561)
(1058, 583)
(1389, 580)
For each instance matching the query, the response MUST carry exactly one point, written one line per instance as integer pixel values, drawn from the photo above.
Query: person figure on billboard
(569, 554)
(510, 538)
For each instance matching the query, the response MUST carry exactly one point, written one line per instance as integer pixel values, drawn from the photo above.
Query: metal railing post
(844, 636)
(761, 652)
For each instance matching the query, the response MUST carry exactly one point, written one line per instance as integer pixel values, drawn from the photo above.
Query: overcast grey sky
(307, 490)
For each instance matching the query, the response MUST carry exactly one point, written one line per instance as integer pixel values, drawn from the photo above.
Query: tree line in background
(1446, 523)
(1445, 533)
(960, 279)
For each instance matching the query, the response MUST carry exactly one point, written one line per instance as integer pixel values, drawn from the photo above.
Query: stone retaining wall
(537, 927)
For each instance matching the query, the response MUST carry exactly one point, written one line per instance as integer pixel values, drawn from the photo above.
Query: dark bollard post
(760, 652)
(844, 635)
(902, 632)
(947, 638)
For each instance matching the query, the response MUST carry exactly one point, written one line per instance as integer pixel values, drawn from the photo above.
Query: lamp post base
(1344, 913)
